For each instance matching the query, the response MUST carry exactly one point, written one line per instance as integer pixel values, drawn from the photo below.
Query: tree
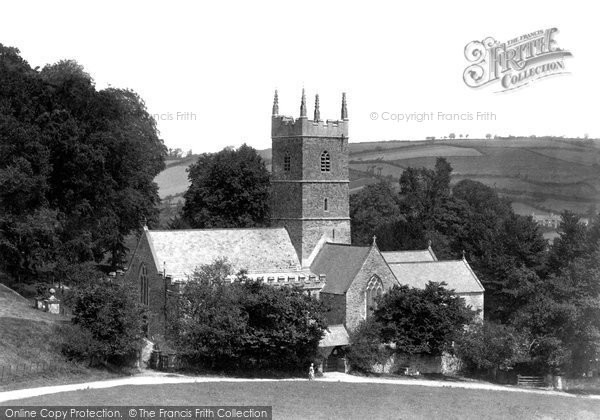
(366, 348)
(570, 244)
(492, 346)
(421, 320)
(244, 324)
(112, 319)
(228, 189)
(563, 316)
(77, 160)
(372, 211)
(452, 136)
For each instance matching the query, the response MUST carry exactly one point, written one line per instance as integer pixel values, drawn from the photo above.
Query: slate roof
(257, 250)
(335, 335)
(457, 274)
(341, 263)
(392, 257)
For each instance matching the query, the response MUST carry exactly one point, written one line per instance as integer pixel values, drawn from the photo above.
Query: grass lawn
(331, 400)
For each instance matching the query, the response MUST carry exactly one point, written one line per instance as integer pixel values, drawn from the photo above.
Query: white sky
(222, 60)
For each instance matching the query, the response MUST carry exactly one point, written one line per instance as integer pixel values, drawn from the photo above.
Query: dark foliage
(77, 168)
(421, 320)
(229, 189)
(108, 324)
(244, 325)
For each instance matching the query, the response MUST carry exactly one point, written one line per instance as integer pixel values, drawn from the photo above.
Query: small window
(325, 162)
(325, 205)
(287, 162)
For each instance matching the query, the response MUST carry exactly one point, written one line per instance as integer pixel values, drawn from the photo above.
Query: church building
(308, 244)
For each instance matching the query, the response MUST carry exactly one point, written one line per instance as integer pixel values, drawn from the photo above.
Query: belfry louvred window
(325, 162)
(287, 162)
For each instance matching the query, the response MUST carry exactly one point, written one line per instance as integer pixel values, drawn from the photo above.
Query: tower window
(287, 162)
(325, 205)
(325, 162)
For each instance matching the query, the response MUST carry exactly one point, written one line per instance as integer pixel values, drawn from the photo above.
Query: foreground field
(335, 400)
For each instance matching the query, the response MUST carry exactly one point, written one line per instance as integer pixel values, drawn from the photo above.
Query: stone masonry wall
(156, 286)
(356, 295)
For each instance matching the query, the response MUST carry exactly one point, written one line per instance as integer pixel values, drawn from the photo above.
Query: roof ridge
(348, 245)
(427, 262)
(214, 229)
(406, 250)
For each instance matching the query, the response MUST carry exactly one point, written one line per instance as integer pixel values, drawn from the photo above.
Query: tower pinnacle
(317, 110)
(303, 105)
(276, 104)
(344, 109)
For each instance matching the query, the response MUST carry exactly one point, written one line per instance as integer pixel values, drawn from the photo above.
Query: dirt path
(156, 378)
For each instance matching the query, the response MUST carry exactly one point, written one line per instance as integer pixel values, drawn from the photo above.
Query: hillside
(540, 175)
(27, 334)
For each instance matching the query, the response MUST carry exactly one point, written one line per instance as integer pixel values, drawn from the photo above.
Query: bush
(366, 349)
(108, 324)
(245, 325)
(492, 347)
(421, 321)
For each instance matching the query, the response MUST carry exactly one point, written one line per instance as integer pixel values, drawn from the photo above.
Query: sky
(207, 70)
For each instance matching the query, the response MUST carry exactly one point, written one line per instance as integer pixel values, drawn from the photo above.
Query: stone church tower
(310, 177)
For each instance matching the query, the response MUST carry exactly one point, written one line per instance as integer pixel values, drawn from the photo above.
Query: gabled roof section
(256, 250)
(341, 263)
(394, 257)
(335, 335)
(457, 275)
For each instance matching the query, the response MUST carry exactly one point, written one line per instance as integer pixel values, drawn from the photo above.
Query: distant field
(415, 152)
(335, 400)
(550, 174)
(386, 169)
(172, 181)
(580, 156)
(525, 209)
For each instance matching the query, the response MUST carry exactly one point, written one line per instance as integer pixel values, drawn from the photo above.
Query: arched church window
(325, 162)
(374, 290)
(287, 162)
(143, 275)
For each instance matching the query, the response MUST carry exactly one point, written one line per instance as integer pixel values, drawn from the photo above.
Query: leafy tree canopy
(421, 320)
(229, 189)
(244, 324)
(77, 167)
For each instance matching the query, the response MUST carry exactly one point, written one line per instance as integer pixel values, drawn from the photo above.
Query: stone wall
(445, 364)
(156, 286)
(356, 305)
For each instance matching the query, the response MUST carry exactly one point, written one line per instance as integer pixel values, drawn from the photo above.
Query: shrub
(108, 324)
(366, 349)
(421, 320)
(245, 325)
(491, 347)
